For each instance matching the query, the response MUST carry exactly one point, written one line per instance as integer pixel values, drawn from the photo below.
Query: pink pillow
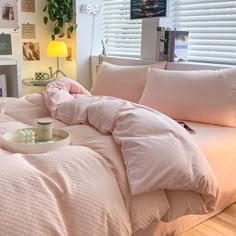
(207, 96)
(125, 82)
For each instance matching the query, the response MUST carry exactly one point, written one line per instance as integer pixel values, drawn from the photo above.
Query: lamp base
(57, 72)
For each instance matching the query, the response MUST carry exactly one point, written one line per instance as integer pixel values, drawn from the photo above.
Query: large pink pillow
(207, 96)
(125, 82)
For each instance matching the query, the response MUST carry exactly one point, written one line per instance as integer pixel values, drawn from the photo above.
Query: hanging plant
(60, 13)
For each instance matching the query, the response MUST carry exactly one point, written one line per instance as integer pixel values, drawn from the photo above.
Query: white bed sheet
(218, 143)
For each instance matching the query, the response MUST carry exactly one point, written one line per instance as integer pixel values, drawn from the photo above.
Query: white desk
(10, 68)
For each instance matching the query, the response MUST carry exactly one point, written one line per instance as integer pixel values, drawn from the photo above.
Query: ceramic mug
(41, 76)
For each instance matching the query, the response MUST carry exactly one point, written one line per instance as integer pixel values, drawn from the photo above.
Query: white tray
(60, 138)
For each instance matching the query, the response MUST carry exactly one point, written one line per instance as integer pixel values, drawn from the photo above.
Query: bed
(212, 140)
(57, 193)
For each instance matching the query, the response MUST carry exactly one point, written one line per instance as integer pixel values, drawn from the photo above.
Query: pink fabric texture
(125, 82)
(59, 89)
(85, 191)
(219, 146)
(68, 191)
(202, 96)
(158, 153)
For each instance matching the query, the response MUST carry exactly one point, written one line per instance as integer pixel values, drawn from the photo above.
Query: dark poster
(147, 8)
(5, 44)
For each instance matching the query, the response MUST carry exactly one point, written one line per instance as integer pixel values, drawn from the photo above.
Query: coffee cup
(41, 76)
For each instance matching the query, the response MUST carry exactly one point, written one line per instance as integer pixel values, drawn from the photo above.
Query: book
(181, 46)
(160, 44)
(171, 46)
(3, 87)
(166, 45)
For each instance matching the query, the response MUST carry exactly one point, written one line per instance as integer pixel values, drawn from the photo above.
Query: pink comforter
(158, 153)
(85, 190)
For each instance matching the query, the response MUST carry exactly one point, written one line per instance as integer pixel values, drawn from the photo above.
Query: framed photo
(147, 8)
(31, 51)
(8, 14)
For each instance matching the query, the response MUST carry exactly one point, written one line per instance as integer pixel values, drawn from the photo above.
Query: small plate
(41, 82)
(10, 139)
(34, 82)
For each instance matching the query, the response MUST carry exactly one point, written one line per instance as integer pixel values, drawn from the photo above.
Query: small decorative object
(57, 49)
(26, 136)
(90, 9)
(60, 13)
(104, 46)
(41, 76)
(44, 130)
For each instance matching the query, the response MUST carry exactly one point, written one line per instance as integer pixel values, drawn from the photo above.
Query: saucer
(41, 82)
(34, 82)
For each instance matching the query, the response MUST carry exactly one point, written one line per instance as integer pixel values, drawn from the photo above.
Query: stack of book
(3, 86)
(172, 45)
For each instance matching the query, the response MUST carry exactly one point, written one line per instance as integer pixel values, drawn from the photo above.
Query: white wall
(88, 37)
(43, 36)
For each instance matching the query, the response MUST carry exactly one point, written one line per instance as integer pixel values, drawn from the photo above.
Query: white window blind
(212, 27)
(123, 34)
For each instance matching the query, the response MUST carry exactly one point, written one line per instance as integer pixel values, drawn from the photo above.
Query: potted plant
(60, 13)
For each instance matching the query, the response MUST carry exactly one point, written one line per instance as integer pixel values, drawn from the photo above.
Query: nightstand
(28, 87)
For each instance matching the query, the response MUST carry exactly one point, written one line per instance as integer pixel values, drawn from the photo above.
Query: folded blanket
(158, 153)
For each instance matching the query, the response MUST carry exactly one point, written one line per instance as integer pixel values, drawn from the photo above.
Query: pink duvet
(98, 185)
(158, 153)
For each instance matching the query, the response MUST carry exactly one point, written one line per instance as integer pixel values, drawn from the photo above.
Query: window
(123, 34)
(212, 27)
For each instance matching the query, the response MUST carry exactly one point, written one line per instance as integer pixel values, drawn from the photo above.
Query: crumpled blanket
(158, 153)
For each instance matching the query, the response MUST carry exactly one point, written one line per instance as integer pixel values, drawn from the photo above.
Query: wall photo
(28, 6)
(5, 44)
(31, 51)
(8, 14)
(147, 8)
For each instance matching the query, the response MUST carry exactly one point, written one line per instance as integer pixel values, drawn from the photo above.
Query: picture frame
(8, 14)
(148, 8)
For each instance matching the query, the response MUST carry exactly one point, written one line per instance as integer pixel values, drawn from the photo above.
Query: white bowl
(10, 141)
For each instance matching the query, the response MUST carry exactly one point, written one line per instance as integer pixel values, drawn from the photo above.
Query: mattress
(218, 143)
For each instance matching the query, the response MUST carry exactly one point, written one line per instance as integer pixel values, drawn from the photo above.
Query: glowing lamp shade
(57, 49)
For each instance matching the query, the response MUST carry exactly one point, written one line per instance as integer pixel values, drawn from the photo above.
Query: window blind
(123, 34)
(212, 27)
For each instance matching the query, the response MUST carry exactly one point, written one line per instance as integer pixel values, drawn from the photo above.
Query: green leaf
(71, 28)
(57, 30)
(60, 12)
(45, 20)
(60, 23)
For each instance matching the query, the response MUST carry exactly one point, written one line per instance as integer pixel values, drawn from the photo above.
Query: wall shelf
(10, 68)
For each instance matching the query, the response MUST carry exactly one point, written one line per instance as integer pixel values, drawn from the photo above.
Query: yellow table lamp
(57, 49)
